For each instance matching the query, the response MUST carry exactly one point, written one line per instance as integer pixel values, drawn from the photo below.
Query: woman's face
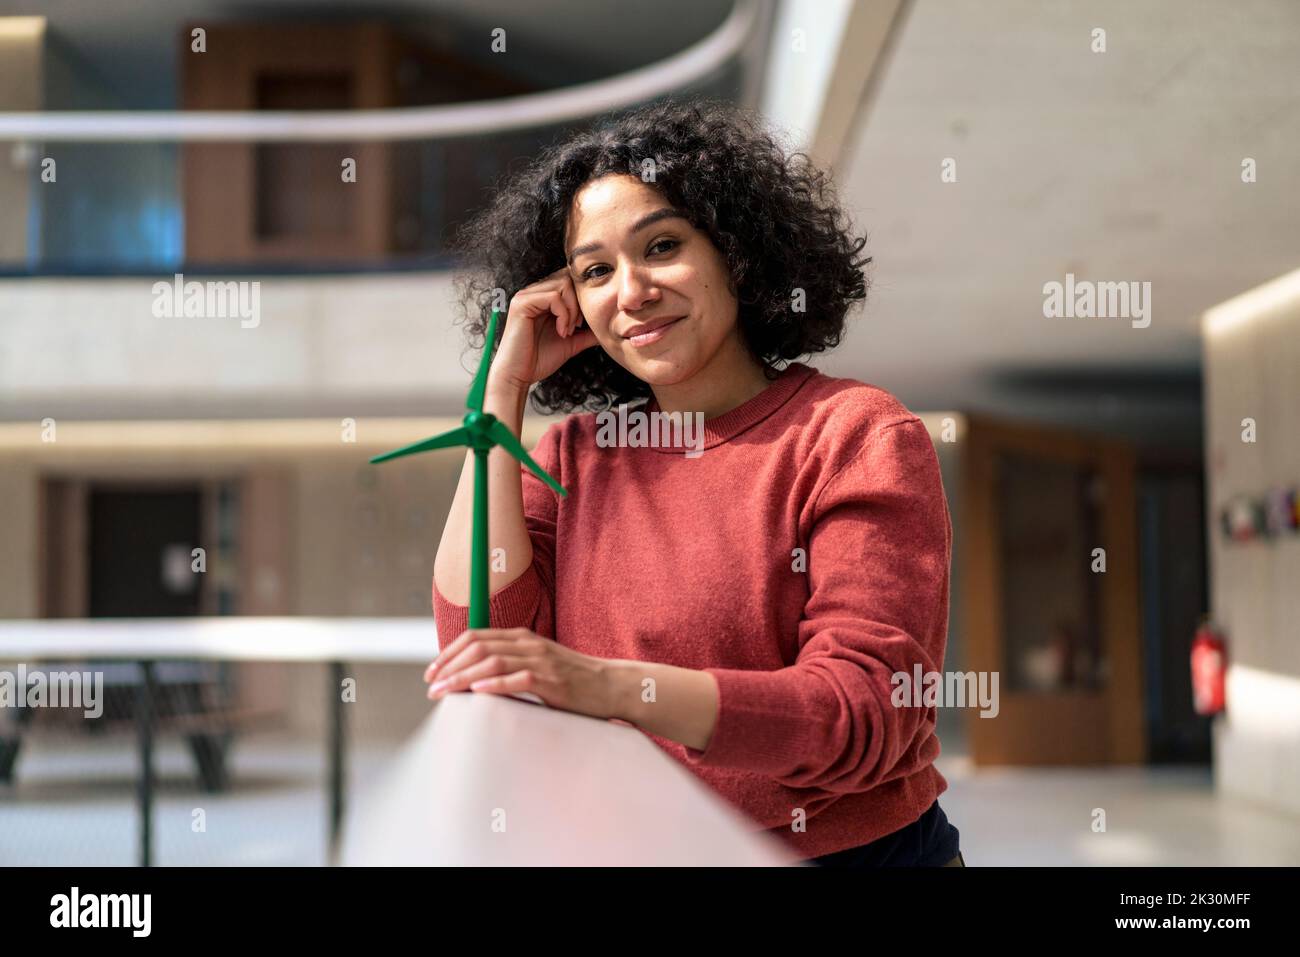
(653, 289)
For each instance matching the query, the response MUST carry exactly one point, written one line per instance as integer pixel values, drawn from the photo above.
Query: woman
(745, 600)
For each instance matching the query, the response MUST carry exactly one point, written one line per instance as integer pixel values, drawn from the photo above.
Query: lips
(644, 328)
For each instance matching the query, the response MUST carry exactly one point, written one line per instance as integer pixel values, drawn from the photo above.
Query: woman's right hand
(544, 329)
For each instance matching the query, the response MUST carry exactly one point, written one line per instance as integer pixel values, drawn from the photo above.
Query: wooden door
(251, 203)
(1051, 569)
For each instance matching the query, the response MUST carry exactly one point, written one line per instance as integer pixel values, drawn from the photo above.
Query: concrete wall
(1252, 371)
(321, 346)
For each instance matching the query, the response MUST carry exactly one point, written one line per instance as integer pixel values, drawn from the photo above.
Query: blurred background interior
(1054, 435)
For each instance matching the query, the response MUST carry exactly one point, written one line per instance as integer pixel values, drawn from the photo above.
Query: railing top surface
(492, 781)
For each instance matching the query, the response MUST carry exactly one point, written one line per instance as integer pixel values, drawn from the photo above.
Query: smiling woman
(748, 606)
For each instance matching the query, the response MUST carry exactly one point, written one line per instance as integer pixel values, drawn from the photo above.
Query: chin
(665, 370)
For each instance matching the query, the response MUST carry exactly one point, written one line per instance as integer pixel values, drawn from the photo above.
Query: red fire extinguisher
(1209, 669)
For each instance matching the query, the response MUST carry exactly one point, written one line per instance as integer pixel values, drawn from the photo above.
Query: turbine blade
(503, 437)
(445, 440)
(475, 400)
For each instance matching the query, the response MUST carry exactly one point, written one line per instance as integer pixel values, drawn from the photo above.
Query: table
(146, 641)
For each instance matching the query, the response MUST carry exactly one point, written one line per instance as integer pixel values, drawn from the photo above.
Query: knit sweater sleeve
(529, 600)
(878, 565)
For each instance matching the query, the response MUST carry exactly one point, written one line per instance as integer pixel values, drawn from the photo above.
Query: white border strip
(408, 123)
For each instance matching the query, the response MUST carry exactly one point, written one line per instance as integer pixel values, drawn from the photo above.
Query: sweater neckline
(749, 413)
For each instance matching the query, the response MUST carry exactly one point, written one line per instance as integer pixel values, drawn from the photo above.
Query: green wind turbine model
(480, 431)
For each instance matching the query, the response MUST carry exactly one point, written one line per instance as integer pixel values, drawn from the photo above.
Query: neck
(731, 378)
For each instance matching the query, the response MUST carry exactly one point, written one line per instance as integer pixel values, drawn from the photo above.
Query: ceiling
(1115, 166)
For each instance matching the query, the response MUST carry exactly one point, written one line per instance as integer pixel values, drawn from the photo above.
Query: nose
(636, 288)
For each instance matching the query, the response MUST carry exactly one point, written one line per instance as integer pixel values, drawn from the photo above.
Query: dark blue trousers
(929, 841)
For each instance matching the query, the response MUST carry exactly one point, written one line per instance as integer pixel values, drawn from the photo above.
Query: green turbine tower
(480, 431)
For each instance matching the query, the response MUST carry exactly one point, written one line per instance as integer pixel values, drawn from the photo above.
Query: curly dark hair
(774, 217)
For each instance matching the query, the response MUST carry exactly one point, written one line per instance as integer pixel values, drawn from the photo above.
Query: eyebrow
(667, 212)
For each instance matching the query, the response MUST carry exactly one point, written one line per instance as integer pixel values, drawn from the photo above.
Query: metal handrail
(399, 123)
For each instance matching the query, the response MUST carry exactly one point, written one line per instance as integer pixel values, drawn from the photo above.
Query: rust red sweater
(802, 559)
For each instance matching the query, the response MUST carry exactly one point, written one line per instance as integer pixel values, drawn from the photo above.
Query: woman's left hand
(502, 661)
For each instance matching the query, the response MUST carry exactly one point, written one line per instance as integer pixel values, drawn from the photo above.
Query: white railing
(221, 638)
(492, 781)
(408, 123)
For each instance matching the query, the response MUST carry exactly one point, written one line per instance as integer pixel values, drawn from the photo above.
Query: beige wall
(1252, 371)
(22, 45)
(948, 433)
(19, 573)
